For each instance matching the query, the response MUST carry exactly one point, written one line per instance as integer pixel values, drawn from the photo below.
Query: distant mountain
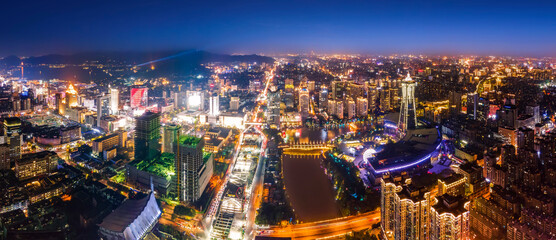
(190, 57)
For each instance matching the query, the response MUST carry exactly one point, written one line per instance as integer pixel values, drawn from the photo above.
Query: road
(257, 186)
(258, 180)
(256, 193)
(327, 228)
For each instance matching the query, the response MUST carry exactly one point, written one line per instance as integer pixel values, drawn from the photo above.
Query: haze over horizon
(437, 27)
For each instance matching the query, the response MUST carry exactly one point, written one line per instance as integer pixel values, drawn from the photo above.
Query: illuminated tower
(303, 101)
(71, 96)
(408, 118)
(114, 100)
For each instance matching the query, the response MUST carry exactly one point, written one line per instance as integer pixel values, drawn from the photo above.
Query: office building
(304, 101)
(273, 109)
(71, 96)
(214, 106)
(105, 143)
(114, 100)
(147, 133)
(13, 139)
(234, 104)
(139, 97)
(323, 98)
(193, 169)
(103, 107)
(36, 164)
(170, 138)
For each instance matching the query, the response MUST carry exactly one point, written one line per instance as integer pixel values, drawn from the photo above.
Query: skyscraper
(170, 138)
(472, 101)
(273, 109)
(114, 100)
(193, 170)
(303, 101)
(214, 107)
(103, 107)
(13, 138)
(147, 133)
(71, 96)
(408, 118)
(323, 98)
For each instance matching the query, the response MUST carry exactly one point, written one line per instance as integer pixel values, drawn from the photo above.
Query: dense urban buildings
(454, 142)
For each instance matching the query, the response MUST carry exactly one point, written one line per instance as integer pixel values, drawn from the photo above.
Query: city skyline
(393, 27)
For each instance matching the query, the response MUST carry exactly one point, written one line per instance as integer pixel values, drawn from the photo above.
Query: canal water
(309, 189)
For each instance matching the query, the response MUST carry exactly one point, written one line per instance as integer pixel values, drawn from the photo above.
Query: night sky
(264, 26)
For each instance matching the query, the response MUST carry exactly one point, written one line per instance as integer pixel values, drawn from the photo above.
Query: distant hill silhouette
(191, 57)
(172, 64)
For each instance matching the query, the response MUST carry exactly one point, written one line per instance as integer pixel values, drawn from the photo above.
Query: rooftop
(189, 140)
(128, 212)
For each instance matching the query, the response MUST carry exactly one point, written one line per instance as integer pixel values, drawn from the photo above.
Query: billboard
(139, 97)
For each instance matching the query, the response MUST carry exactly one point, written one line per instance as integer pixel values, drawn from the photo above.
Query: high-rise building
(170, 138)
(331, 106)
(507, 116)
(5, 156)
(234, 103)
(103, 107)
(139, 97)
(409, 212)
(147, 133)
(195, 101)
(193, 170)
(534, 111)
(323, 98)
(472, 102)
(455, 102)
(13, 137)
(273, 108)
(339, 109)
(384, 99)
(311, 86)
(351, 108)
(304, 100)
(408, 117)
(71, 96)
(214, 105)
(362, 106)
(60, 104)
(114, 100)
(338, 88)
(525, 139)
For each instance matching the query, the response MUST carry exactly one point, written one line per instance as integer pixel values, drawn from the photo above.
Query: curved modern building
(415, 149)
(132, 220)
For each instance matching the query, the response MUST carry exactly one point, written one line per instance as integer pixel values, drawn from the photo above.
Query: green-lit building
(193, 168)
(147, 133)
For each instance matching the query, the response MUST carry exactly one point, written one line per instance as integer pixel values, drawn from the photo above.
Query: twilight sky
(270, 26)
